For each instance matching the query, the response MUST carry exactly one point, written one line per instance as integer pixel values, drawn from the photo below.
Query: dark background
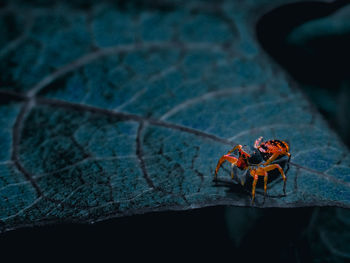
(321, 68)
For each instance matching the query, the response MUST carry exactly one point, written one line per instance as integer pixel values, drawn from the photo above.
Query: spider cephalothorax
(260, 162)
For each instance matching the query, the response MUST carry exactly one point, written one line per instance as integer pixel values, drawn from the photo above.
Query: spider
(259, 163)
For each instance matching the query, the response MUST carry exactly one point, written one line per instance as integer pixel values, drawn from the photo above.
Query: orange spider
(259, 162)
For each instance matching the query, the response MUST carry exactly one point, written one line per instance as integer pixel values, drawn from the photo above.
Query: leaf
(335, 24)
(118, 111)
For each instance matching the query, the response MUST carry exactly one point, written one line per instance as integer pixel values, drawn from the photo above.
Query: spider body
(259, 162)
(272, 149)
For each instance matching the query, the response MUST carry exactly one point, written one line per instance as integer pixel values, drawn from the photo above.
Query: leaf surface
(117, 111)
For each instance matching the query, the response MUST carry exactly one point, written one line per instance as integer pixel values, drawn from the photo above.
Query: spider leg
(231, 159)
(254, 186)
(277, 166)
(265, 182)
(235, 148)
(275, 155)
(272, 158)
(232, 166)
(255, 173)
(258, 142)
(289, 156)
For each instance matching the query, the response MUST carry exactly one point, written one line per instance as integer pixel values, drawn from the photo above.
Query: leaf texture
(118, 110)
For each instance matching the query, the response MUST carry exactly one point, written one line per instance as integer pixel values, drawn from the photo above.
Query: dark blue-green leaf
(114, 111)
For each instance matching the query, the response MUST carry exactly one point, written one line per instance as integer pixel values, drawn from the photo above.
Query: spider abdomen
(268, 148)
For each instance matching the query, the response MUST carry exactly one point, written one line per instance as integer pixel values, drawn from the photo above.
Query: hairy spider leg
(232, 174)
(288, 161)
(255, 174)
(275, 155)
(239, 147)
(277, 166)
(258, 142)
(254, 186)
(265, 183)
(262, 171)
(231, 159)
(289, 156)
